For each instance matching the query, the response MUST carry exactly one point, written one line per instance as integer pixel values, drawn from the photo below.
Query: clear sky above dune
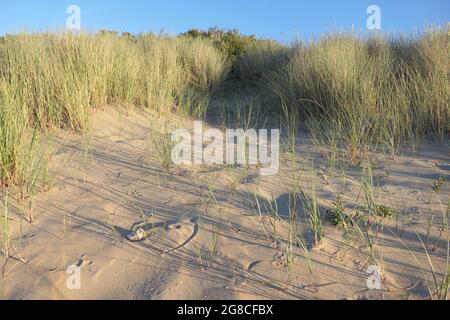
(280, 20)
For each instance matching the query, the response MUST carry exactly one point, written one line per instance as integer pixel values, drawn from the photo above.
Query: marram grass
(374, 90)
(55, 80)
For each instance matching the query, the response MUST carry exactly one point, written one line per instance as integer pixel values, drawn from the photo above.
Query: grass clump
(375, 91)
(337, 214)
(384, 211)
(161, 144)
(439, 183)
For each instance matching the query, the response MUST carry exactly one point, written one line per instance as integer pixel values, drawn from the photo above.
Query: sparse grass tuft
(161, 145)
(4, 225)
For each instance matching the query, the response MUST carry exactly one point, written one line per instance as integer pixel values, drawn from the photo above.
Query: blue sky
(281, 20)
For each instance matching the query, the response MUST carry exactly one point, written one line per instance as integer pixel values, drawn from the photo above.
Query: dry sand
(105, 183)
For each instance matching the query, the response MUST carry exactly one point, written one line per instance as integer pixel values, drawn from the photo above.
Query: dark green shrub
(232, 43)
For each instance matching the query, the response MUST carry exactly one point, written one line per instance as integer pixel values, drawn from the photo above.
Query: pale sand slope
(99, 194)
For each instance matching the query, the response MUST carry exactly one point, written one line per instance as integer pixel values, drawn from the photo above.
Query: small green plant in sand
(379, 210)
(289, 123)
(56, 80)
(374, 91)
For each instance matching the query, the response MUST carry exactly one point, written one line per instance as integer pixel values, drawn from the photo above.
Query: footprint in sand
(166, 236)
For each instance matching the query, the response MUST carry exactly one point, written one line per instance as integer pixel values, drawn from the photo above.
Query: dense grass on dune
(59, 78)
(55, 80)
(372, 90)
